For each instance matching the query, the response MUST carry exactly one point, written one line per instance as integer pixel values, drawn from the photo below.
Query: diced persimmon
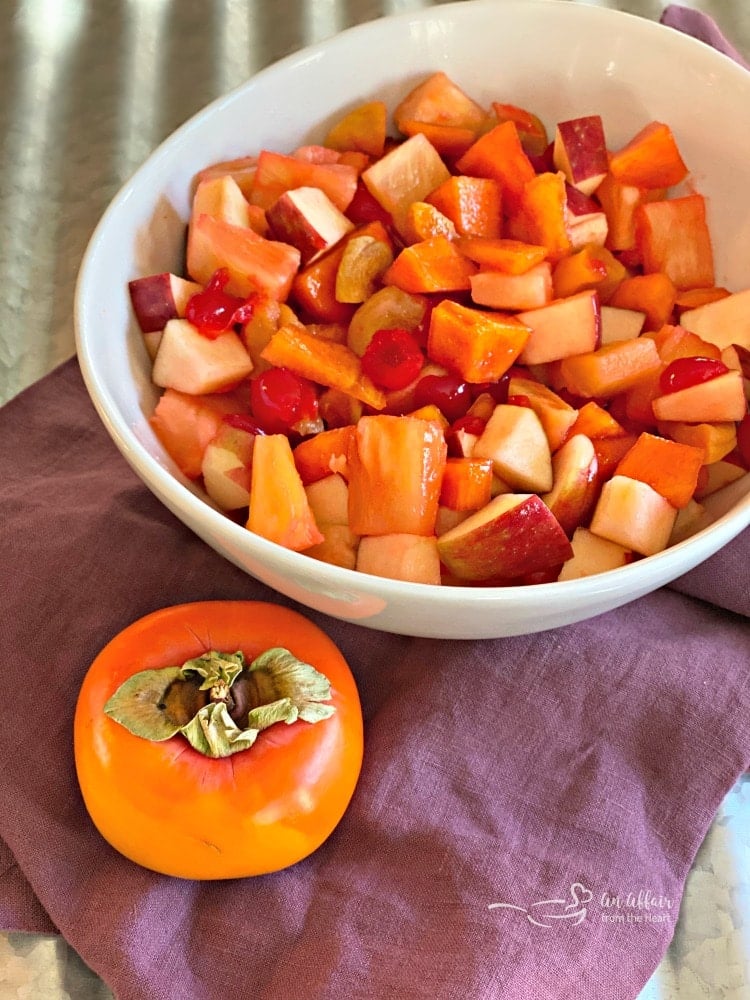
(432, 412)
(677, 342)
(651, 159)
(440, 101)
(279, 509)
(423, 221)
(480, 345)
(324, 454)
(314, 288)
(363, 130)
(596, 422)
(530, 290)
(538, 215)
(451, 141)
(499, 155)
(277, 173)
(579, 271)
(473, 204)
(717, 475)
(718, 400)
(396, 468)
(467, 483)
(715, 440)
(186, 424)
(531, 129)
(638, 399)
(508, 256)
(253, 262)
(433, 265)
(619, 202)
(670, 467)
(324, 362)
(691, 298)
(611, 369)
(242, 170)
(609, 452)
(672, 236)
(652, 294)
(313, 153)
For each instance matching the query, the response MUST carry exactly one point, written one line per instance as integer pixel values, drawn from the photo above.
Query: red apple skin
(308, 220)
(580, 151)
(576, 488)
(513, 535)
(157, 298)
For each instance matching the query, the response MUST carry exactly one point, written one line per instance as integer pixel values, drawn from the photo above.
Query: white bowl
(559, 59)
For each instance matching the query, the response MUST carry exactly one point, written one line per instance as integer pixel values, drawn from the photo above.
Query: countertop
(89, 90)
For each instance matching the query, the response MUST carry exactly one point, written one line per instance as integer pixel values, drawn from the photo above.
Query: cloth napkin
(528, 808)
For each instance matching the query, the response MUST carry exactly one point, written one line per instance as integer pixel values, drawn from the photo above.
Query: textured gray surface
(89, 89)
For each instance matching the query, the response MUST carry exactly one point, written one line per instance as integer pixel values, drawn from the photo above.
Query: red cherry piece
(685, 372)
(392, 359)
(213, 311)
(279, 399)
(448, 392)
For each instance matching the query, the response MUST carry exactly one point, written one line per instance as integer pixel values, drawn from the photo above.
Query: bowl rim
(665, 566)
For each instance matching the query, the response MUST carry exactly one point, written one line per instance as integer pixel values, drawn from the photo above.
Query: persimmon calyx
(218, 703)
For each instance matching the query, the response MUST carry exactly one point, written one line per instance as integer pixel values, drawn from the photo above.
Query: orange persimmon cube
(672, 236)
(499, 155)
(480, 345)
(185, 424)
(531, 129)
(609, 452)
(323, 454)
(433, 265)
(242, 170)
(596, 422)
(530, 290)
(255, 264)
(279, 509)
(611, 369)
(322, 361)
(651, 159)
(539, 215)
(677, 342)
(440, 101)
(423, 221)
(579, 271)
(619, 202)
(691, 298)
(450, 141)
(362, 130)
(396, 467)
(467, 483)
(277, 173)
(638, 399)
(669, 467)
(715, 440)
(508, 256)
(652, 294)
(473, 204)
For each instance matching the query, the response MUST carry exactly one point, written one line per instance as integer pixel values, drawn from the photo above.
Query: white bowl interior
(557, 59)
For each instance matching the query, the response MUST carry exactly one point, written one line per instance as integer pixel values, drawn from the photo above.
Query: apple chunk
(189, 362)
(634, 515)
(718, 400)
(226, 467)
(307, 219)
(592, 554)
(515, 440)
(574, 491)
(157, 298)
(580, 151)
(565, 327)
(412, 558)
(514, 534)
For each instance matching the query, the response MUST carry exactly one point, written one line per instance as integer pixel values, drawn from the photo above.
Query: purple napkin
(528, 809)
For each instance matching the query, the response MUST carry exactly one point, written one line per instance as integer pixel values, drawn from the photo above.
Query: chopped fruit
(634, 515)
(719, 399)
(400, 556)
(565, 327)
(592, 554)
(530, 290)
(671, 468)
(611, 369)
(213, 311)
(650, 160)
(388, 308)
(158, 298)
(450, 393)
(580, 151)
(575, 484)
(190, 362)
(434, 265)
(684, 372)
(307, 219)
(392, 359)
(362, 129)
(515, 441)
(279, 510)
(467, 483)
(479, 345)
(283, 401)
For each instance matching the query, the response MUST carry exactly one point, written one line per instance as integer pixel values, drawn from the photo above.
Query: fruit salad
(458, 349)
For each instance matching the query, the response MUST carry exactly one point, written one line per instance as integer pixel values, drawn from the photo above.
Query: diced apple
(448, 518)
(186, 424)
(515, 533)
(715, 440)
(189, 362)
(580, 151)
(556, 416)
(329, 500)
(405, 174)
(515, 440)
(592, 554)
(339, 546)
(620, 324)
(588, 230)
(634, 515)
(306, 218)
(720, 399)
(689, 520)
(221, 198)
(563, 328)
(530, 290)
(411, 558)
(575, 483)
(717, 475)
(722, 322)
(226, 467)
(158, 298)
(440, 101)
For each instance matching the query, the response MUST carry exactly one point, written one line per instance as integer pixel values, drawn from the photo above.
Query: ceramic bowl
(559, 59)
